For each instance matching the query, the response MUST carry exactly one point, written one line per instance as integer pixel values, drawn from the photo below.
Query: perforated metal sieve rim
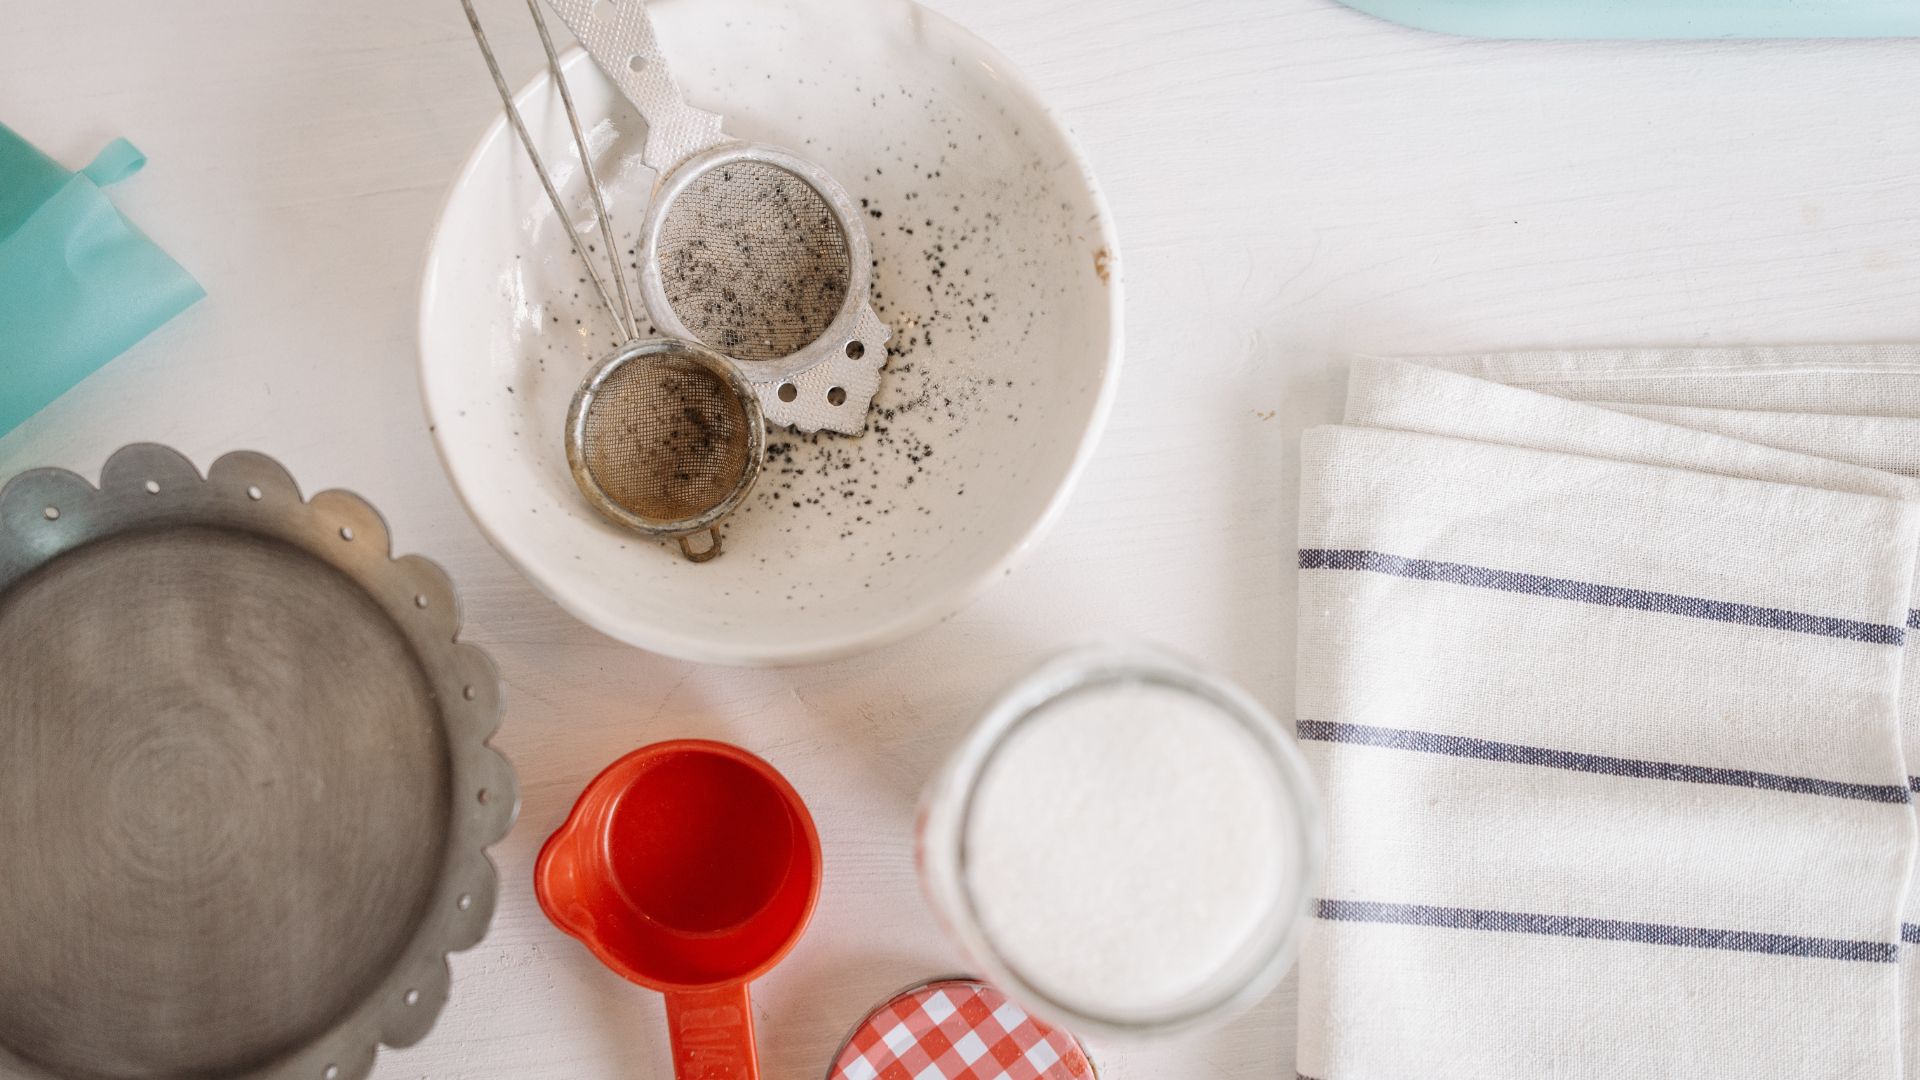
(641, 352)
(846, 326)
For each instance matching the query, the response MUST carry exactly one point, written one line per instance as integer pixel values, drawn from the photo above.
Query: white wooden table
(1292, 181)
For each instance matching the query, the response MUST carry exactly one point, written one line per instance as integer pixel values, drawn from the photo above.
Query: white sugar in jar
(1125, 844)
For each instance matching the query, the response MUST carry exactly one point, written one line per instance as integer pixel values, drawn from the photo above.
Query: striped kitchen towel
(1860, 406)
(1608, 711)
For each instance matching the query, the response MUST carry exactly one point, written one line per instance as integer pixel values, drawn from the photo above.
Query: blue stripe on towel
(1913, 619)
(1690, 937)
(1487, 750)
(1606, 595)
(1909, 933)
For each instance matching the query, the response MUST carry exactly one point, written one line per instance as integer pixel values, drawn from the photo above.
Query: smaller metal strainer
(665, 437)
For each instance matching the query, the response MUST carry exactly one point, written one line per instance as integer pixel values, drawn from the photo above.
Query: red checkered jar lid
(958, 1029)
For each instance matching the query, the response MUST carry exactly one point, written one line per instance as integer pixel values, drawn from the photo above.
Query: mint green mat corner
(78, 283)
(1654, 19)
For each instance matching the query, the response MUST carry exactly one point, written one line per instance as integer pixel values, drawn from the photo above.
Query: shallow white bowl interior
(994, 265)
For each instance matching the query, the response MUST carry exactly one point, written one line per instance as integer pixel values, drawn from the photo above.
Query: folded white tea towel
(1864, 404)
(1847, 380)
(1607, 714)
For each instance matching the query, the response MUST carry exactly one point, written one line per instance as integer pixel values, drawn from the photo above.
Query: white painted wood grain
(1292, 181)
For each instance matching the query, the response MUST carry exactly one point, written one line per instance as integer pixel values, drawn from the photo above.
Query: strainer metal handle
(813, 369)
(662, 462)
(626, 325)
(711, 551)
(619, 35)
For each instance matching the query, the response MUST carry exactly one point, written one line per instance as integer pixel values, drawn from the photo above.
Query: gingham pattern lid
(957, 1029)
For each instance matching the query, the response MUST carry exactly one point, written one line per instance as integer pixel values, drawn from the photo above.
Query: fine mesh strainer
(746, 248)
(665, 436)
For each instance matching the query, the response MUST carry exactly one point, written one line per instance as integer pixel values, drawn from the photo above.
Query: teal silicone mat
(1654, 19)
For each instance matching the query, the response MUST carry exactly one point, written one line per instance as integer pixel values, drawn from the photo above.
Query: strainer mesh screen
(665, 438)
(753, 260)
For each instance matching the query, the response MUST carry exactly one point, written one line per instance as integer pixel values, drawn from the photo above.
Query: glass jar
(1267, 841)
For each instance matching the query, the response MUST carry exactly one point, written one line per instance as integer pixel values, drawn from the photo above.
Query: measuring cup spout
(558, 887)
(712, 1034)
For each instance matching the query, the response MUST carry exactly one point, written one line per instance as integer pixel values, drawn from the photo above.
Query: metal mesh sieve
(665, 437)
(754, 261)
(746, 247)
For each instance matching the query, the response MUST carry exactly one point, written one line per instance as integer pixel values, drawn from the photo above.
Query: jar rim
(949, 806)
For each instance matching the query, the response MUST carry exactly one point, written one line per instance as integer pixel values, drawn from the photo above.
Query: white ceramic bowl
(996, 266)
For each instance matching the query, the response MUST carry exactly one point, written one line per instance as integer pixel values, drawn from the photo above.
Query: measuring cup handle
(712, 1033)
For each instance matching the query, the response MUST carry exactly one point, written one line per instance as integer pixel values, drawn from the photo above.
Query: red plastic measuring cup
(689, 867)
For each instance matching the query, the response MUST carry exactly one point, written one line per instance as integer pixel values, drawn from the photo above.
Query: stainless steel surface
(245, 789)
(827, 381)
(665, 437)
(750, 261)
(624, 330)
(585, 154)
(619, 35)
(796, 389)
